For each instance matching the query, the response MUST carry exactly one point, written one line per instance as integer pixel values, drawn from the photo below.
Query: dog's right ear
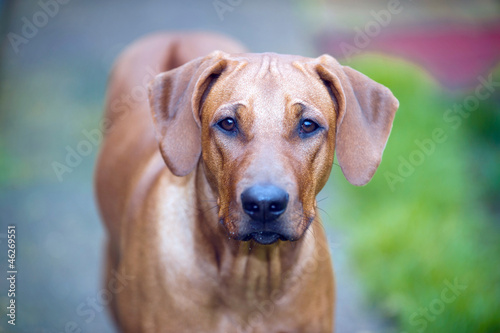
(175, 98)
(366, 111)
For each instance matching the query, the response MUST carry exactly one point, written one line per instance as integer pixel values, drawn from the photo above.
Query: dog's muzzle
(264, 204)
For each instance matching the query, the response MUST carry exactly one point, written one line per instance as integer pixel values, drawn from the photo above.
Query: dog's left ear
(365, 114)
(175, 98)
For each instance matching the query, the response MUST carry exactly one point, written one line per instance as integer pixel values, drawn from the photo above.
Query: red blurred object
(456, 55)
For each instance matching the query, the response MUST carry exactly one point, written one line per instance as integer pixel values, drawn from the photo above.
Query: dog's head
(266, 127)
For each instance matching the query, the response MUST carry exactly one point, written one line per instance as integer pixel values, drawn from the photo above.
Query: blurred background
(415, 250)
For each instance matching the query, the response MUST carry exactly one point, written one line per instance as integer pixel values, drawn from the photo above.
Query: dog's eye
(227, 124)
(308, 126)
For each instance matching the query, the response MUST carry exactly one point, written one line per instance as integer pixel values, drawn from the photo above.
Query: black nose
(264, 202)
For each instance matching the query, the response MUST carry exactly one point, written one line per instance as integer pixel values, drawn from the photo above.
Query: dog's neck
(250, 268)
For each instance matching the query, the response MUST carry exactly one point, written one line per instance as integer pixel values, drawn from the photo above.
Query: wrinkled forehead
(267, 65)
(271, 78)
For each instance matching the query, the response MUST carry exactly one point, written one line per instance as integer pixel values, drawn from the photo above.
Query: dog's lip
(263, 237)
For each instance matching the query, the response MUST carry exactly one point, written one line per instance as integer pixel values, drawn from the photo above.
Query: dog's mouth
(263, 237)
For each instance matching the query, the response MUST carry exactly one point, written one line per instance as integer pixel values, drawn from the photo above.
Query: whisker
(324, 211)
(208, 209)
(319, 200)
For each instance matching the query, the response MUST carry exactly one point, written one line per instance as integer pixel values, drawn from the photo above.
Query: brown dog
(218, 230)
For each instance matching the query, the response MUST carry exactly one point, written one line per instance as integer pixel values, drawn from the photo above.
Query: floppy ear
(366, 110)
(175, 98)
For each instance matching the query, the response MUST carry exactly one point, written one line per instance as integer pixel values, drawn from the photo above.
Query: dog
(207, 182)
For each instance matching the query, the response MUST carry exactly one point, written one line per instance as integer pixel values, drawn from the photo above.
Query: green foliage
(429, 227)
